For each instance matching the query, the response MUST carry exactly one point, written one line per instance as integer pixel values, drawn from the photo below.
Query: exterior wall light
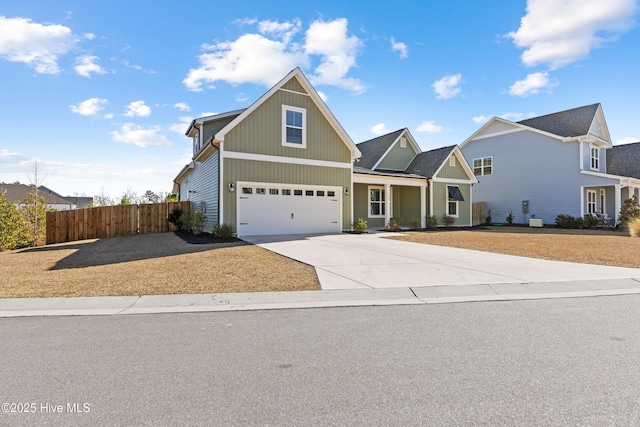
(231, 187)
(346, 190)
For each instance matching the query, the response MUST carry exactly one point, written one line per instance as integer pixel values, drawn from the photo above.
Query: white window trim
(382, 202)
(482, 165)
(452, 161)
(595, 201)
(447, 201)
(592, 157)
(286, 108)
(403, 142)
(603, 201)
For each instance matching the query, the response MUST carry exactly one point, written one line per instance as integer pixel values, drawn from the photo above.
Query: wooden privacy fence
(477, 213)
(111, 221)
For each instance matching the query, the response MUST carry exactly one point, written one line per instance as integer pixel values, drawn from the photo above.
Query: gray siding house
(554, 164)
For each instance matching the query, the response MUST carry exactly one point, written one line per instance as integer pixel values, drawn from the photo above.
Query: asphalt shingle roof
(624, 160)
(16, 193)
(568, 123)
(374, 148)
(427, 163)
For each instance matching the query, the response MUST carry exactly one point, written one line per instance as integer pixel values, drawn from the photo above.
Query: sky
(99, 95)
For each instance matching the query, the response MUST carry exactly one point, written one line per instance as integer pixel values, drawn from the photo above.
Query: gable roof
(624, 160)
(429, 162)
(568, 123)
(17, 193)
(373, 149)
(302, 79)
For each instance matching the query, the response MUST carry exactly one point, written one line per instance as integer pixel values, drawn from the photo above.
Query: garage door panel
(287, 213)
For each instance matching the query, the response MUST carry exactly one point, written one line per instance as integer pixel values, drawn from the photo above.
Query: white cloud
(380, 129)
(338, 51)
(480, 119)
(7, 157)
(133, 134)
(514, 117)
(265, 58)
(85, 65)
(281, 30)
(241, 97)
(138, 109)
(89, 36)
(448, 86)
(182, 106)
(429, 127)
(38, 45)
(531, 84)
(400, 47)
(627, 140)
(182, 126)
(323, 96)
(558, 33)
(108, 116)
(89, 107)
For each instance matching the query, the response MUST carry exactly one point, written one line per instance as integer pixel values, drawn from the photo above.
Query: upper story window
(483, 166)
(595, 157)
(294, 132)
(403, 142)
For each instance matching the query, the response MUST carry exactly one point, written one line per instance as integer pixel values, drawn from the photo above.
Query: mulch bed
(203, 238)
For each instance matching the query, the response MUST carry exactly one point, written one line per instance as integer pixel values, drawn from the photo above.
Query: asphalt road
(530, 363)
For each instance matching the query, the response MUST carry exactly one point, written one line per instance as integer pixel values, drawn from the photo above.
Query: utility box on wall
(525, 206)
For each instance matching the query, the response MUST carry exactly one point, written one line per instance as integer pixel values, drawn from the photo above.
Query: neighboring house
(548, 165)
(281, 166)
(76, 201)
(624, 160)
(395, 179)
(18, 193)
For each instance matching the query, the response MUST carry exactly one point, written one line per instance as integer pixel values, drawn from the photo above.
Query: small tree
(171, 197)
(34, 211)
(14, 229)
(629, 210)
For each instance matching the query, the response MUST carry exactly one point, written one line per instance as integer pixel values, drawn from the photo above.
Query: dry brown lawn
(148, 264)
(611, 248)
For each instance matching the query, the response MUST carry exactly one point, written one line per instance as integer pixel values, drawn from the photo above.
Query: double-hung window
(591, 201)
(294, 132)
(483, 166)
(376, 202)
(595, 158)
(454, 196)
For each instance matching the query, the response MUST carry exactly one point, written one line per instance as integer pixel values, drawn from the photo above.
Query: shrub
(509, 217)
(565, 221)
(628, 211)
(634, 227)
(360, 225)
(414, 224)
(394, 224)
(487, 220)
(223, 231)
(591, 221)
(432, 222)
(174, 217)
(449, 221)
(14, 228)
(198, 220)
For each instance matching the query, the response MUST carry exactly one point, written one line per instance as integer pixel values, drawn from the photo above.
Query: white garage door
(265, 209)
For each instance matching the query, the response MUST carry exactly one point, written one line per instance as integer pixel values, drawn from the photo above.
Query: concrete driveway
(353, 261)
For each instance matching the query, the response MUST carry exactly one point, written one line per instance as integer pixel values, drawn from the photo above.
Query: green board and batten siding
(397, 158)
(261, 133)
(406, 204)
(452, 172)
(284, 173)
(440, 199)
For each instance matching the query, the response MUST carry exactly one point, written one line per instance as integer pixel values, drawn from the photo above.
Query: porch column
(423, 206)
(618, 203)
(387, 202)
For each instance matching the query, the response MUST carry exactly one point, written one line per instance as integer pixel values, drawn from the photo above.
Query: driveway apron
(352, 261)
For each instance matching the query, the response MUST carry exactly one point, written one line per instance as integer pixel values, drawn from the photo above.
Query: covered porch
(605, 201)
(379, 197)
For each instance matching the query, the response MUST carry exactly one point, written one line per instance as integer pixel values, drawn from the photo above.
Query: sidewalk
(92, 306)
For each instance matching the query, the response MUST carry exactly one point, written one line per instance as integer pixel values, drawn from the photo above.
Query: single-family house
(281, 166)
(18, 193)
(548, 165)
(395, 179)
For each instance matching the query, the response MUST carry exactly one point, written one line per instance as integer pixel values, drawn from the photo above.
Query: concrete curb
(150, 304)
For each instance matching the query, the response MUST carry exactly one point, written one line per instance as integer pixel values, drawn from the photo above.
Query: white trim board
(289, 160)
